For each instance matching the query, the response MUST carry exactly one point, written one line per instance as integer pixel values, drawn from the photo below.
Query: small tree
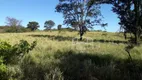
(59, 27)
(13, 22)
(49, 24)
(33, 25)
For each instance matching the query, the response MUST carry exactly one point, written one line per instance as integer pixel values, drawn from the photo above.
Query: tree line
(15, 25)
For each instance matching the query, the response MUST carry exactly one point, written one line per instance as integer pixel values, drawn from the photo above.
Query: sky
(43, 10)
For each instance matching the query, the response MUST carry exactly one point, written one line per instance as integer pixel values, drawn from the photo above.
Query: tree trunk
(137, 39)
(125, 34)
(81, 32)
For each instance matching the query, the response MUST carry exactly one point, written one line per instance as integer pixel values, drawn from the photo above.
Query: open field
(49, 42)
(57, 57)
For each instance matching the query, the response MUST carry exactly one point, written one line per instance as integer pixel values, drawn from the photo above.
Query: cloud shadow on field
(68, 38)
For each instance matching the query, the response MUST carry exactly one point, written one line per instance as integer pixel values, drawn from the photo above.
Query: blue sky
(42, 10)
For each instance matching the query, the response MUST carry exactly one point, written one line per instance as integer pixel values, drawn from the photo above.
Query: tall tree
(13, 22)
(80, 14)
(130, 15)
(33, 25)
(49, 24)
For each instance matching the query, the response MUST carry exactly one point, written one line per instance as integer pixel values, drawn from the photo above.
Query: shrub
(3, 69)
(16, 29)
(11, 55)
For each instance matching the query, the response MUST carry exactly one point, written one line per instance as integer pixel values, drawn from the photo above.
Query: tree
(59, 27)
(33, 25)
(49, 24)
(74, 25)
(13, 22)
(80, 14)
(130, 15)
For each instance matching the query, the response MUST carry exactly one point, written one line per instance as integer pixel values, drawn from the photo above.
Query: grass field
(59, 57)
(49, 42)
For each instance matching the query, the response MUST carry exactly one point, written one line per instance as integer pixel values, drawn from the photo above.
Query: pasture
(102, 43)
(58, 57)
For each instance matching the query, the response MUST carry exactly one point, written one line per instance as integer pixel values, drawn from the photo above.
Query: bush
(11, 55)
(7, 29)
(3, 70)
(17, 29)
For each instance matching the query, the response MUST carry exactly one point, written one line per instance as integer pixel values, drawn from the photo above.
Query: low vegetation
(57, 57)
(10, 56)
(6, 29)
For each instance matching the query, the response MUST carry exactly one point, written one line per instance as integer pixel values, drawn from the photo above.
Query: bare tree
(13, 22)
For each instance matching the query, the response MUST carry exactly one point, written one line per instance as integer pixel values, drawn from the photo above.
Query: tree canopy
(49, 24)
(59, 27)
(33, 25)
(13, 22)
(79, 14)
(130, 14)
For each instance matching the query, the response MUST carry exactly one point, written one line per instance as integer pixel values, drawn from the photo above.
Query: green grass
(103, 59)
(110, 43)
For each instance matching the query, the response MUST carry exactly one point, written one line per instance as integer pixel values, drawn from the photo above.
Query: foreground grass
(57, 57)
